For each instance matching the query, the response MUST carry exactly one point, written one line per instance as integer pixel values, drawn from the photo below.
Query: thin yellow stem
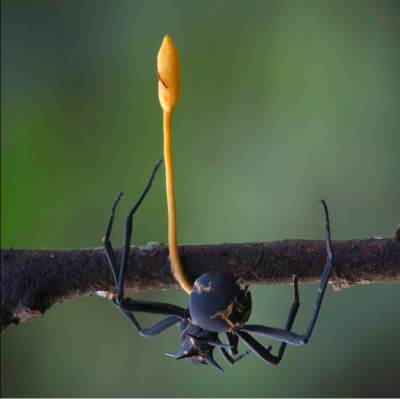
(172, 241)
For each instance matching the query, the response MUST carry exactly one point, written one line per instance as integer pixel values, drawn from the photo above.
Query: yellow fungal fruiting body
(169, 71)
(169, 89)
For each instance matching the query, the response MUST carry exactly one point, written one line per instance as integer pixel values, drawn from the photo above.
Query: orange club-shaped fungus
(169, 90)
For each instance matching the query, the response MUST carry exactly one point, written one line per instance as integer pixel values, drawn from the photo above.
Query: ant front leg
(127, 305)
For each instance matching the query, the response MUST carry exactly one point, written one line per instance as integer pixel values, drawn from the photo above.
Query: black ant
(217, 304)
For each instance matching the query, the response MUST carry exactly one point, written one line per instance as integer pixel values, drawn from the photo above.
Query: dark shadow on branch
(34, 280)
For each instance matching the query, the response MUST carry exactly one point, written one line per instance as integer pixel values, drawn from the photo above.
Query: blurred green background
(283, 103)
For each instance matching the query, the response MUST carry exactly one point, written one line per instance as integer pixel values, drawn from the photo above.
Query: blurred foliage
(283, 103)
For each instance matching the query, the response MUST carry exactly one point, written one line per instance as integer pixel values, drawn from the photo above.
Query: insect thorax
(190, 342)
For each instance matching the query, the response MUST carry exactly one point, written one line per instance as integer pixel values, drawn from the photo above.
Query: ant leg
(261, 351)
(156, 329)
(292, 314)
(106, 240)
(226, 356)
(128, 233)
(289, 322)
(127, 305)
(232, 361)
(107, 243)
(233, 341)
(286, 336)
(130, 305)
(325, 276)
(278, 334)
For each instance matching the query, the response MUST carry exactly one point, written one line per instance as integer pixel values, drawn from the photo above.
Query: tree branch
(34, 280)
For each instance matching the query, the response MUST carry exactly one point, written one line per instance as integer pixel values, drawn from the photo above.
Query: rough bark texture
(34, 280)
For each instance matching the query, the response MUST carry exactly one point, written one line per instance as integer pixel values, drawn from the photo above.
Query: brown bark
(34, 280)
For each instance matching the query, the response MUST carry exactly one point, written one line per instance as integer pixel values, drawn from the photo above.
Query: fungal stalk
(169, 88)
